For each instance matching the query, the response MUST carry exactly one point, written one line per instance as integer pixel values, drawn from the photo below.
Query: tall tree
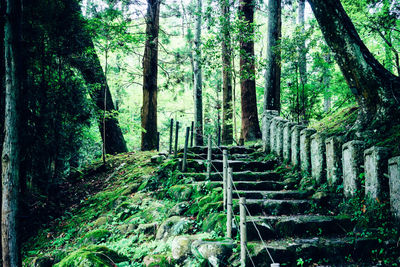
(227, 116)
(198, 84)
(10, 154)
(82, 56)
(302, 60)
(150, 61)
(250, 124)
(375, 88)
(273, 67)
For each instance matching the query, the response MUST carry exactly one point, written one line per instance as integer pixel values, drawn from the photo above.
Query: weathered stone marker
(333, 146)
(287, 141)
(394, 186)
(272, 134)
(295, 146)
(267, 117)
(305, 150)
(243, 231)
(318, 158)
(279, 137)
(375, 167)
(229, 212)
(352, 160)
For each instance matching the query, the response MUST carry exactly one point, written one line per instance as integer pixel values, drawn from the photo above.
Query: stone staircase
(294, 226)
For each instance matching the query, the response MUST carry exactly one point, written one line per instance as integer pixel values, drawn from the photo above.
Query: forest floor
(129, 213)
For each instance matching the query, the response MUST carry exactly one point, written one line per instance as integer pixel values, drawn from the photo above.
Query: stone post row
(268, 115)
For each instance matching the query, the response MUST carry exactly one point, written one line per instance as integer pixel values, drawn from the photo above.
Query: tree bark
(198, 91)
(227, 116)
(273, 67)
(10, 154)
(375, 88)
(150, 61)
(302, 47)
(82, 56)
(250, 124)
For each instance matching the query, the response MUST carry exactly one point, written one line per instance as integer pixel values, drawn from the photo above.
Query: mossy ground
(133, 192)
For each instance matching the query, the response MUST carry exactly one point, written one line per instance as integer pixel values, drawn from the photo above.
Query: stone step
(272, 227)
(238, 176)
(236, 165)
(244, 157)
(251, 185)
(284, 194)
(276, 206)
(331, 251)
(231, 150)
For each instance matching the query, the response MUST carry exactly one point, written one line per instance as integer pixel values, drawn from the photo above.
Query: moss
(339, 122)
(95, 236)
(94, 256)
(180, 192)
(159, 260)
(215, 222)
(209, 208)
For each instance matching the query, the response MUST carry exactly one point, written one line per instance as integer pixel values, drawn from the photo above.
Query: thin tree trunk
(10, 154)
(150, 61)
(250, 124)
(375, 88)
(198, 91)
(273, 68)
(326, 80)
(227, 117)
(302, 60)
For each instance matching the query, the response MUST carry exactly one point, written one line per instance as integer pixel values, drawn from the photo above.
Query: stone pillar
(352, 161)
(295, 146)
(272, 134)
(305, 150)
(375, 166)
(394, 187)
(268, 115)
(333, 146)
(318, 158)
(279, 137)
(287, 141)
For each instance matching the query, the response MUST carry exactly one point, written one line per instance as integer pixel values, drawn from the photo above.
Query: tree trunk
(326, 80)
(250, 124)
(272, 93)
(198, 98)
(150, 61)
(375, 88)
(227, 116)
(84, 58)
(302, 47)
(10, 154)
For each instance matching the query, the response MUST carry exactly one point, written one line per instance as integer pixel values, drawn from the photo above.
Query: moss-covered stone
(159, 260)
(210, 208)
(180, 192)
(215, 222)
(101, 221)
(173, 226)
(131, 188)
(95, 236)
(93, 256)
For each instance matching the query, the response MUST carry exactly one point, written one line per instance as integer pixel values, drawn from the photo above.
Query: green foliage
(95, 236)
(339, 122)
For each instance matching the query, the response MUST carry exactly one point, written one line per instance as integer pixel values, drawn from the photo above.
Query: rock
(179, 209)
(100, 221)
(148, 228)
(131, 188)
(159, 260)
(44, 261)
(95, 236)
(180, 247)
(215, 252)
(157, 159)
(320, 196)
(173, 226)
(180, 192)
(126, 228)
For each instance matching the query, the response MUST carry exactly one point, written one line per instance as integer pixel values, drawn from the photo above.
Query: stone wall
(330, 159)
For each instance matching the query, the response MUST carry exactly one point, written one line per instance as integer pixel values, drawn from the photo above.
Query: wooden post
(176, 139)
(191, 134)
(219, 135)
(209, 158)
(224, 173)
(158, 141)
(184, 163)
(171, 132)
(229, 205)
(243, 231)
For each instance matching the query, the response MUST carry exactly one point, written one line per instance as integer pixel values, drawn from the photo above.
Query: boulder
(179, 209)
(148, 228)
(180, 247)
(44, 261)
(180, 192)
(157, 159)
(159, 260)
(173, 226)
(215, 252)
